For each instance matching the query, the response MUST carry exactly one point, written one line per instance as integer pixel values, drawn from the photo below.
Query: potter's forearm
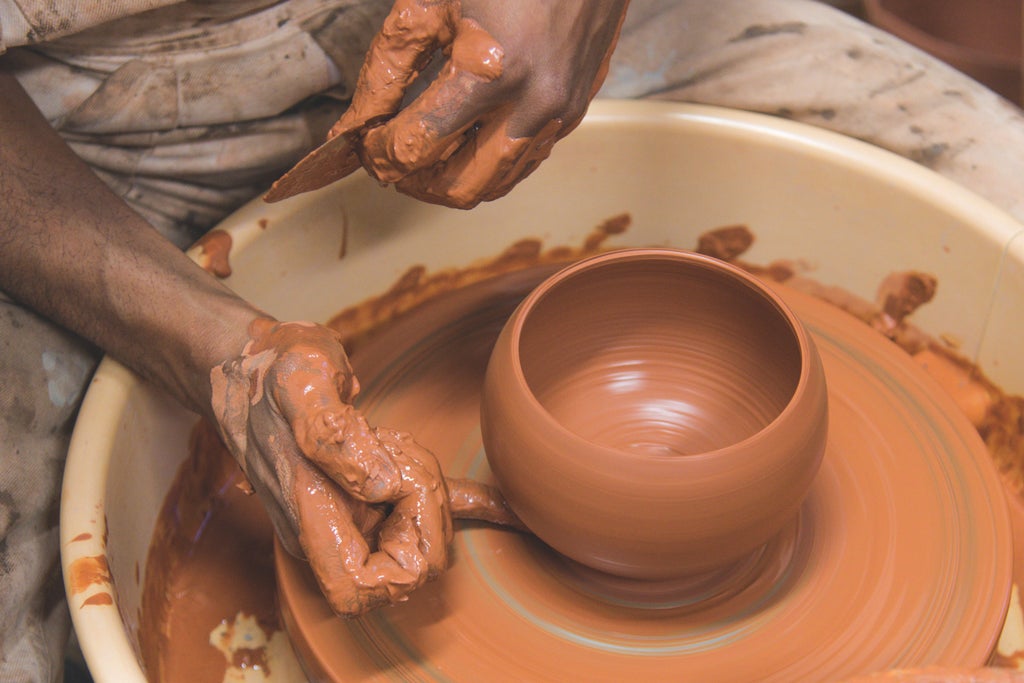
(77, 254)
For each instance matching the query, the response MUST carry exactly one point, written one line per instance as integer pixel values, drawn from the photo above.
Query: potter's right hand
(368, 508)
(517, 75)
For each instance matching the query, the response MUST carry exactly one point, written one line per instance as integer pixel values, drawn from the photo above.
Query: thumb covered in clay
(290, 392)
(283, 408)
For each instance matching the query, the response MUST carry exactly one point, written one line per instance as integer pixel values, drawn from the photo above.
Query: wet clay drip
(197, 550)
(213, 251)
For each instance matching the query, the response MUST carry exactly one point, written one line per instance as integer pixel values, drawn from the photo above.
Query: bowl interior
(659, 354)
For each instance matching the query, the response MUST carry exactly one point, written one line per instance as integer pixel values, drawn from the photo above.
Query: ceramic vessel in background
(981, 38)
(654, 413)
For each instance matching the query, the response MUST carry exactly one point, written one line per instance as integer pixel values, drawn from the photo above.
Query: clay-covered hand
(514, 76)
(368, 508)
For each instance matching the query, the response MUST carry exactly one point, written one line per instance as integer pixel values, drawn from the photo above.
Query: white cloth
(805, 61)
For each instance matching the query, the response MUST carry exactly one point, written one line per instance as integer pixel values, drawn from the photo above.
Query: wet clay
(214, 251)
(222, 573)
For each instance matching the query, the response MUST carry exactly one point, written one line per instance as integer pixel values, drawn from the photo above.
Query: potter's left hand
(517, 76)
(368, 508)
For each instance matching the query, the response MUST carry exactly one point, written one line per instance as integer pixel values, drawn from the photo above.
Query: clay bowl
(654, 413)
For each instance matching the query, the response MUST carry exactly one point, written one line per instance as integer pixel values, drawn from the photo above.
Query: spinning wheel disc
(900, 556)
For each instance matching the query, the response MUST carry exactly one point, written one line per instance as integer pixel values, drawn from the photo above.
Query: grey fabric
(805, 61)
(43, 371)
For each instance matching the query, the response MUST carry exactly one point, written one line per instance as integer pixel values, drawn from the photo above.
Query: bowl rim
(809, 361)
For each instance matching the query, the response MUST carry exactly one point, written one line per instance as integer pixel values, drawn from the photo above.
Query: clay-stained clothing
(807, 62)
(188, 109)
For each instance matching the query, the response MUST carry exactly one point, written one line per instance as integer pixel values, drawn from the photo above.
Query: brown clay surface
(211, 557)
(660, 376)
(900, 556)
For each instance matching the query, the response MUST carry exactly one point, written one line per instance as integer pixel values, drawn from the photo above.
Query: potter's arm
(77, 254)
(279, 393)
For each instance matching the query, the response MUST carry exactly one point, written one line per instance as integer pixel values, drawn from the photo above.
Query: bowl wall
(653, 413)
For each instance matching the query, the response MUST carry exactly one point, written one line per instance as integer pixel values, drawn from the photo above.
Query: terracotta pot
(654, 413)
(981, 38)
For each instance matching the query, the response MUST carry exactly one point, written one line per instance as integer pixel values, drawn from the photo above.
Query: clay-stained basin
(654, 413)
(851, 212)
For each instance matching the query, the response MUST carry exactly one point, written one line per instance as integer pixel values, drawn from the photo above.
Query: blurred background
(981, 38)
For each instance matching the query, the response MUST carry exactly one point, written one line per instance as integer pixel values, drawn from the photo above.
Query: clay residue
(214, 252)
(475, 51)
(998, 417)
(900, 294)
(356, 323)
(88, 571)
(102, 598)
(726, 243)
(211, 557)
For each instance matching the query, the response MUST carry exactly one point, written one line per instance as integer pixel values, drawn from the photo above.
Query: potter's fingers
(485, 168)
(431, 127)
(413, 538)
(332, 434)
(312, 383)
(352, 579)
(424, 498)
(428, 130)
(340, 442)
(412, 32)
(469, 499)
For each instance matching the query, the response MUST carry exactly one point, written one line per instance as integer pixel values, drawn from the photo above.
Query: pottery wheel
(900, 557)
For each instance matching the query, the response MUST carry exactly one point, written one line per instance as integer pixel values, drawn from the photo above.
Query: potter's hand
(517, 76)
(368, 508)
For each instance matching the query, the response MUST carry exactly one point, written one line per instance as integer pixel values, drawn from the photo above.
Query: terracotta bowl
(654, 413)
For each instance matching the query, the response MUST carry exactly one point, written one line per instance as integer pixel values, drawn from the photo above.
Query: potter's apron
(188, 109)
